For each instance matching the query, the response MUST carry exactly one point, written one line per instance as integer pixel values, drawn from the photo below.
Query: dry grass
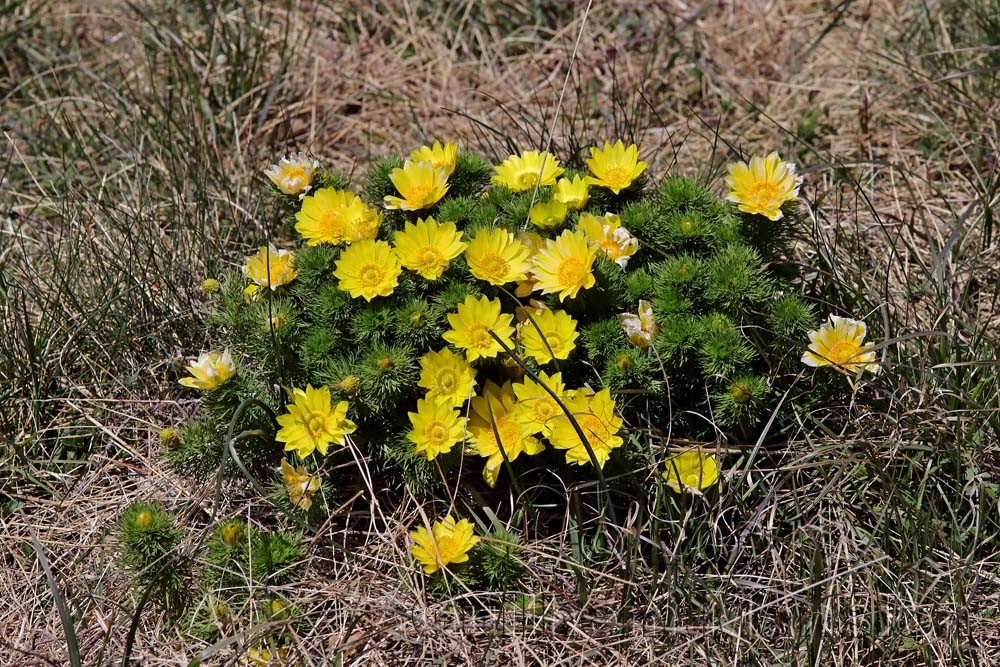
(899, 176)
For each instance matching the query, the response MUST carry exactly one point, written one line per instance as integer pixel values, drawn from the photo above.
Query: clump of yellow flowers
(516, 319)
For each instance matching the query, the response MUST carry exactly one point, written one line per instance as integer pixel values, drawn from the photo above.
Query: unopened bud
(210, 285)
(232, 534)
(143, 520)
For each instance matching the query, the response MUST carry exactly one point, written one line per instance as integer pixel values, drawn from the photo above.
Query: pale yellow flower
(840, 343)
(607, 233)
(640, 328)
(212, 370)
(293, 174)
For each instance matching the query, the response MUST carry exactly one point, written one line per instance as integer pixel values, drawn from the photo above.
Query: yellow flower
(210, 285)
(270, 267)
(437, 427)
(251, 293)
(312, 423)
(521, 172)
(615, 167)
(607, 233)
(691, 470)
(420, 184)
(761, 187)
(447, 377)
(546, 215)
(299, 484)
(533, 242)
(447, 542)
(440, 157)
(494, 255)
(262, 657)
(840, 343)
(492, 415)
(596, 418)
(563, 266)
(368, 269)
(574, 192)
(535, 407)
(293, 174)
(640, 328)
(429, 246)
(548, 335)
(471, 325)
(335, 216)
(210, 371)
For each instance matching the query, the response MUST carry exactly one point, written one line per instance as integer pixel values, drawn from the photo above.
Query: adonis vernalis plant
(450, 316)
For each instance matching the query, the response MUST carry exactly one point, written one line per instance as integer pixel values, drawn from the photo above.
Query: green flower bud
(143, 520)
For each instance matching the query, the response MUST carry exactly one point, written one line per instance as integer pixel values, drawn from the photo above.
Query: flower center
(763, 194)
(331, 224)
(447, 381)
(570, 271)
(843, 352)
(526, 179)
(418, 192)
(447, 548)
(370, 275)
(315, 424)
(437, 433)
(479, 337)
(554, 341)
(544, 410)
(294, 175)
(494, 267)
(429, 256)
(593, 428)
(510, 436)
(617, 176)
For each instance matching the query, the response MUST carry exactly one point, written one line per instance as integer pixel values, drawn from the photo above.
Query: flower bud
(740, 392)
(169, 437)
(277, 610)
(624, 363)
(143, 520)
(232, 534)
(385, 363)
(210, 286)
(417, 320)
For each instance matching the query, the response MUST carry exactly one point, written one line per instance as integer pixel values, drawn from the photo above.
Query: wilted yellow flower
(420, 184)
(494, 255)
(262, 657)
(546, 215)
(336, 216)
(840, 343)
(299, 484)
(447, 377)
(492, 415)
(440, 157)
(312, 423)
(437, 428)
(293, 174)
(535, 407)
(548, 335)
(429, 246)
(213, 369)
(607, 233)
(447, 542)
(615, 167)
(761, 187)
(691, 470)
(368, 269)
(521, 172)
(270, 267)
(471, 326)
(573, 193)
(598, 421)
(640, 328)
(564, 265)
